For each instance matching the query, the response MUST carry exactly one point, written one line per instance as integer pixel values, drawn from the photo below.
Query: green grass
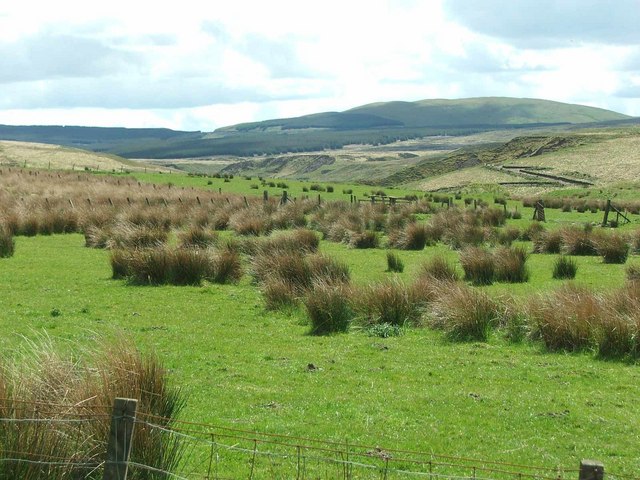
(247, 368)
(239, 184)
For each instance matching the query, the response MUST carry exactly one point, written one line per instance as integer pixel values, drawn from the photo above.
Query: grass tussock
(579, 242)
(286, 277)
(7, 243)
(465, 313)
(297, 241)
(361, 240)
(394, 263)
(131, 235)
(390, 301)
(532, 231)
(565, 319)
(324, 268)
(175, 266)
(250, 222)
(564, 268)
(96, 237)
(329, 308)
(197, 237)
(42, 383)
(613, 248)
(279, 294)
(411, 236)
(633, 273)
(479, 265)
(510, 265)
(440, 268)
(507, 235)
(547, 241)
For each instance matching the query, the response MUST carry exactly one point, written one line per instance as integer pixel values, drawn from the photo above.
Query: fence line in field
(219, 452)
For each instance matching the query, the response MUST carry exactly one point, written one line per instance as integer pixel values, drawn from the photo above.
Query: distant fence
(215, 452)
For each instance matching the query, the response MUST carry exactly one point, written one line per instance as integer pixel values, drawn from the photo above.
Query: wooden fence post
(591, 470)
(120, 435)
(607, 209)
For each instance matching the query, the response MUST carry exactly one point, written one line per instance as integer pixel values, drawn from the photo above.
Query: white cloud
(195, 65)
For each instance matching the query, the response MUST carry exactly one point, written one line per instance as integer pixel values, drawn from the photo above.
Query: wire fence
(216, 452)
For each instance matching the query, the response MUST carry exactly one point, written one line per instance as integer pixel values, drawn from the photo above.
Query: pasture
(513, 396)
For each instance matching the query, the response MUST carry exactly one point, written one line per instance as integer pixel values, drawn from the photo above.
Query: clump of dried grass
(57, 388)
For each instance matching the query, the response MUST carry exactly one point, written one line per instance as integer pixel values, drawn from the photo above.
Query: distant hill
(86, 136)
(41, 155)
(374, 124)
(483, 112)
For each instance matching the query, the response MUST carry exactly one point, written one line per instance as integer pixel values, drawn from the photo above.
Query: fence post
(120, 435)
(591, 470)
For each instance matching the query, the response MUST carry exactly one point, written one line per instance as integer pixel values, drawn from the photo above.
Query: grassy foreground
(247, 368)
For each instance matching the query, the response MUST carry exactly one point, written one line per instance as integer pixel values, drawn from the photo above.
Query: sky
(200, 65)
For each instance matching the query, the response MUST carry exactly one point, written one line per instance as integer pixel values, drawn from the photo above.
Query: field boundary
(215, 452)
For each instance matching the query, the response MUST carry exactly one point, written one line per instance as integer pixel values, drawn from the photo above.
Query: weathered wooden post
(265, 196)
(607, 209)
(538, 212)
(591, 470)
(123, 419)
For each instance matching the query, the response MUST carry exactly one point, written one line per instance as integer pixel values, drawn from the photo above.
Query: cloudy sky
(201, 65)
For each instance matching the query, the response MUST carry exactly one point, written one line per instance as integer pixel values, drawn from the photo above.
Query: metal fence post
(120, 435)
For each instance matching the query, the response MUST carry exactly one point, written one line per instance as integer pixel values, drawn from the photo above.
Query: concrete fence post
(591, 470)
(120, 435)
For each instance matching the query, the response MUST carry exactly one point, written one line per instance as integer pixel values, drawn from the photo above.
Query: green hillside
(374, 124)
(50, 156)
(463, 113)
(496, 111)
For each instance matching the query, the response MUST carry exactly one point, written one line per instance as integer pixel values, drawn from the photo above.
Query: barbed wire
(383, 457)
(207, 443)
(254, 434)
(82, 404)
(65, 463)
(156, 470)
(51, 420)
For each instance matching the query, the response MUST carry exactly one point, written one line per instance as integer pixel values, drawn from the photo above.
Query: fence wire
(210, 452)
(213, 453)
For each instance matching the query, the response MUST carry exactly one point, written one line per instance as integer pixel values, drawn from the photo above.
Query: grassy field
(45, 156)
(246, 367)
(603, 158)
(468, 178)
(247, 186)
